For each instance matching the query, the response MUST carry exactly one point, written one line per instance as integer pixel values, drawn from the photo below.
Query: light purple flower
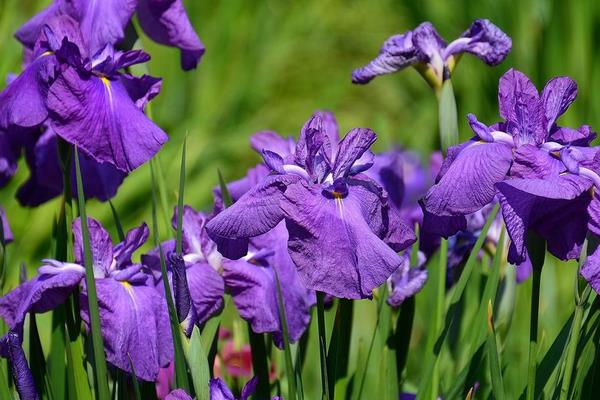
(103, 23)
(343, 236)
(539, 171)
(424, 48)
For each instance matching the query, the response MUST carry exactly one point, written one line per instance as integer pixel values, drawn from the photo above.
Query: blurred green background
(269, 64)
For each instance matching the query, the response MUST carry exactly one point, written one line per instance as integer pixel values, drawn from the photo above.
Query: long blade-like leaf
(100, 369)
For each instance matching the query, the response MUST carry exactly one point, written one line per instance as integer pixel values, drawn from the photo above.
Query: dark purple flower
(84, 98)
(338, 219)
(133, 315)
(540, 172)
(46, 179)
(424, 49)
(11, 348)
(103, 23)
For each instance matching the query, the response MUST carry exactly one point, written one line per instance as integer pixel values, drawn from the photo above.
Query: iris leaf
(100, 369)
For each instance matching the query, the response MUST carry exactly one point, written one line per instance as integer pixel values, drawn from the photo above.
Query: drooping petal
(23, 101)
(102, 180)
(406, 281)
(351, 148)
(269, 140)
(97, 115)
(100, 244)
(442, 225)
(332, 244)
(7, 235)
(206, 291)
(134, 239)
(254, 289)
(396, 54)
(43, 293)
(256, 212)
(135, 323)
(484, 40)
(103, 22)
(557, 96)
(166, 22)
(141, 89)
(553, 207)
(468, 183)
(19, 368)
(399, 235)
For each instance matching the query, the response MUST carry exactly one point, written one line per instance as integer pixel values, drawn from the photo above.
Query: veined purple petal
(43, 293)
(312, 137)
(396, 54)
(103, 22)
(533, 162)
(484, 40)
(554, 207)
(29, 32)
(255, 213)
(593, 211)
(166, 22)
(429, 44)
(7, 235)
(468, 183)
(134, 239)
(18, 366)
(206, 291)
(581, 136)
(135, 323)
(522, 108)
(254, 289)
(557, 96)
(23, 101)
(219, 390)
(273, 161)
(269, 140)
(97, 115)
(178, 394)
(316, 224)
(351, 148)
(406, 281)
(100, 244)
(141, 89)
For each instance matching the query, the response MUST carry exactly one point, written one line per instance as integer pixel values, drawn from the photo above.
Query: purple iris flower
(103, 23)
(133, 315)
(202, 266)
(46, 179)
(250, 280)
(84, 98)
(7, 233)
(540, 172)
(11, 348)
(343, 236)
(425, 49)
(220, 391)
